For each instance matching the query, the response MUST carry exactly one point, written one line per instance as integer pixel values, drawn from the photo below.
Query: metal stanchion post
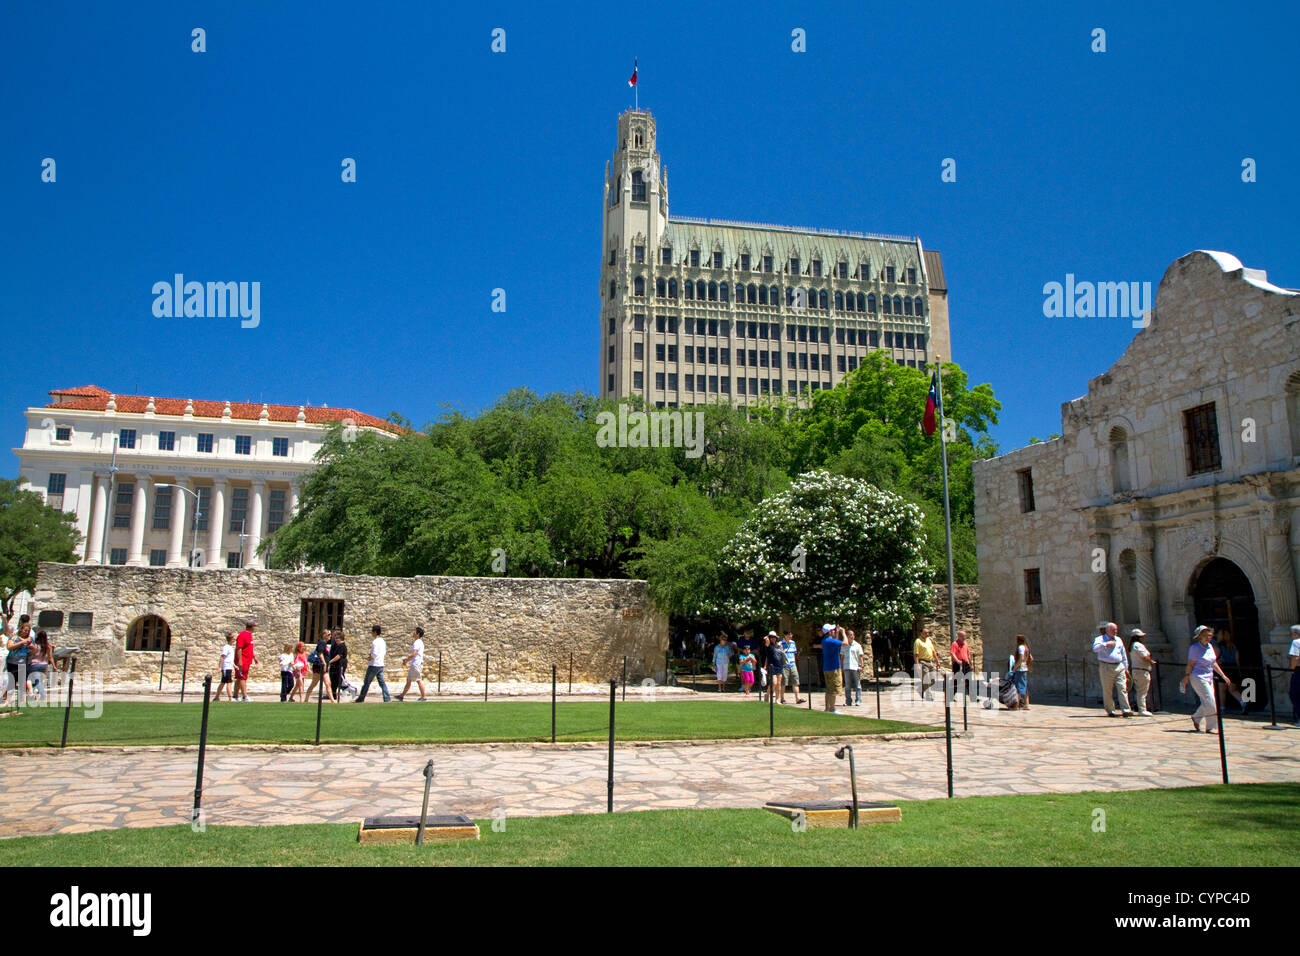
(1067, 678)
(947, 727)
(771, 708)
(965, 693)
(203, 747)
(440, 673)
(625, 678)
(570, 672)
(1223, 747)
(487, 659)
(609, 785)
(67, 710)
(320, 696)
(162, 664)
(185, 666)
(877, 696)
(1272, 705)
(1160, 700)
(552, 703)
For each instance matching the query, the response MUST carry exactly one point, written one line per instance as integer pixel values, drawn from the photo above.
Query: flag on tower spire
(631, 81)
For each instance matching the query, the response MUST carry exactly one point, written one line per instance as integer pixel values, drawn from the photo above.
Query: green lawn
(1242, 825)
(461, 721)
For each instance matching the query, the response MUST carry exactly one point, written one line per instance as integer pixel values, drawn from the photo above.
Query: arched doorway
(1223, 598)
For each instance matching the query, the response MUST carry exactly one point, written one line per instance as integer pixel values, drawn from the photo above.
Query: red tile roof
(95, 399)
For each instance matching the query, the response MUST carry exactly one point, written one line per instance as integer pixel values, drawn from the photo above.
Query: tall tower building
(712, 310)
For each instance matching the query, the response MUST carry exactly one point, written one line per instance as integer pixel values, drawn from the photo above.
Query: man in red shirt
(245, 657)
(961, 663)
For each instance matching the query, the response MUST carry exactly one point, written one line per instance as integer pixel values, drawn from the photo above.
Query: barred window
(149, 633)
(1033, 587)
(1201, 431)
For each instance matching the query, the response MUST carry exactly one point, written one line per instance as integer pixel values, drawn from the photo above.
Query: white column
(176, 557)
(139, 514)
(98, 515)
(253, 527)
(216, 523)
(293, 502)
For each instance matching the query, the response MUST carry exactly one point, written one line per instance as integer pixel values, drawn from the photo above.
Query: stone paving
(1048, 749)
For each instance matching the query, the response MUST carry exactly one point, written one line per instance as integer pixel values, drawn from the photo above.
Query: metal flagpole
(108, 506)
(947, 513)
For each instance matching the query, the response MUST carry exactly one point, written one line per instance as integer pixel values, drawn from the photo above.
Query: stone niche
(525, 624)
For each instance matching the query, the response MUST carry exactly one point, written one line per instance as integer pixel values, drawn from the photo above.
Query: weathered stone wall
(525, 624)
(1120, 531)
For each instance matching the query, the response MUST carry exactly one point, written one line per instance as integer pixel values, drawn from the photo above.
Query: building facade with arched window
(765, 310)
(1172, 496)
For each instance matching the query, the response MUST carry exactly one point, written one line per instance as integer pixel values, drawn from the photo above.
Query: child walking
(286, 672)
(299, 691)
(747, 664)
(227, 666)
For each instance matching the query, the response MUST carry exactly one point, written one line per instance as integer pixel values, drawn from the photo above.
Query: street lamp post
(195, 523)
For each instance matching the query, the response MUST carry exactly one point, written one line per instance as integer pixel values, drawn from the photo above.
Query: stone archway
(1222, 598)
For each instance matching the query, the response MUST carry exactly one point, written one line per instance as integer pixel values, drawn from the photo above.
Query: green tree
(30, 532)
(831, 548)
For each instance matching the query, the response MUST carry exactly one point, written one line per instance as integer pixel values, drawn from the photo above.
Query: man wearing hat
(1140, 668)
(1112, 663)
(831, 675)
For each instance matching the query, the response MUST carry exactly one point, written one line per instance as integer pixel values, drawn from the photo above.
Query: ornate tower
(635, 218)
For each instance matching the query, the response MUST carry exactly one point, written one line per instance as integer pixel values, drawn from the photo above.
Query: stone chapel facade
(1172, 497)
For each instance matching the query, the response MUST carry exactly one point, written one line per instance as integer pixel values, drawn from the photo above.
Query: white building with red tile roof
(175, 481)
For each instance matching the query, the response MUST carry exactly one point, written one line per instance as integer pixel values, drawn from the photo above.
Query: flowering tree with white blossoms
(830, 548)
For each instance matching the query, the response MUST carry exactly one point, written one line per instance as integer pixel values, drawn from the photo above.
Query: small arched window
(773, 295)
(918, 307)
(886, 304)
(822, 301)
(672, 288)
(611, 288)
(898, 305)
(839, 302)
(862, 303)
(713, 292)
(871, 302)
(722, 292)
(907, 306)
(661, 287)
(149, 633)
(638, 186)
(752, 292)
(638, 286)
(762, 295)
(690, 289)
(1120, 480)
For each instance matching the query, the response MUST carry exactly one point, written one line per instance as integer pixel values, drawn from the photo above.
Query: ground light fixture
(853, 780)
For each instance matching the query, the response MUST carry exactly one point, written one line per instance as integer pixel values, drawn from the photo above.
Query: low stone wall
(525, 624)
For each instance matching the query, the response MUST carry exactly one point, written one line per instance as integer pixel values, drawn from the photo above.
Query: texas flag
(931, 405)
(632, 79)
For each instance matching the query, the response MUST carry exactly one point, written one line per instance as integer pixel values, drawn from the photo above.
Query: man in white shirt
(852, 655)
(1112, 662)
(1295, 675)
(1140, 668)
(375, 669)
(414, 662)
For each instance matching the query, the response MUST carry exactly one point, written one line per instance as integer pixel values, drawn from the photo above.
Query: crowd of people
(28, 658)
(328, 659)
(771, 664)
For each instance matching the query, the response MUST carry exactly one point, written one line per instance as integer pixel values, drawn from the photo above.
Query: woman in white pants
(1201, 668)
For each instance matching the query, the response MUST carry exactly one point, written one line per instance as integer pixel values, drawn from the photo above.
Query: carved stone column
(1102, 606)
(1281, 574)
(1148, 589)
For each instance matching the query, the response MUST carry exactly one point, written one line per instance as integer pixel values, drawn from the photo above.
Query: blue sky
(479, 170)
